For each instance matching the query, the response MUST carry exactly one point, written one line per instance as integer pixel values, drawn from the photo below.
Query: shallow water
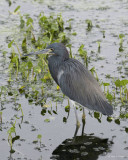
(107, 140)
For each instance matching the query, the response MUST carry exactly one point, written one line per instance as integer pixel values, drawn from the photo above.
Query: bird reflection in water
(85, 147)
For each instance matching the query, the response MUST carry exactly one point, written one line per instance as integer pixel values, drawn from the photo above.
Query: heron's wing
(79, 85)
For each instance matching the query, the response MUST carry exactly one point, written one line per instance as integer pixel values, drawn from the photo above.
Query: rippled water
(100, 140)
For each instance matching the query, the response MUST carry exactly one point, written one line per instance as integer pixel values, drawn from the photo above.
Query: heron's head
(54, 49)
(58, 49)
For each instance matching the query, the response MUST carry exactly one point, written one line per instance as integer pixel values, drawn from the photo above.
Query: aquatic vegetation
(39, 137)
(47, 120)
(97, 115)
(10, 137)
(89, 24)
(121, 36)
(28, 96)
(122, 86)
(99, 46)
(1, 117)
(103, 34)
(94, 73)
(83, 54)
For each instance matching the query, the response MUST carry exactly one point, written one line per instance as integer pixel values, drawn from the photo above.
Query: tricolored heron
(75, 80)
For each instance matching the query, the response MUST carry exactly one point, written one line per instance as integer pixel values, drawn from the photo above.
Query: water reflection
(82, 148)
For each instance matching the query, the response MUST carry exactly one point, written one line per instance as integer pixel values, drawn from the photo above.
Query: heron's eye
(52, 49)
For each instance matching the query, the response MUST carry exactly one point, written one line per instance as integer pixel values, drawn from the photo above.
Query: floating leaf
(15, 138)
(47, 120)
(54, 112)
(126, 130)
(109, 119)
(64, 119)
(117, 121)
(49, 112)
(67, 108)
(43, 112)
(96, 115)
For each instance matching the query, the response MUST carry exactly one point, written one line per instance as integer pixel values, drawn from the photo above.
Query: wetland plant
(122, 85)
(99, 46)
(121, 36)
(103, 34)
(89, 24)
(39, 137)
(10, 132)
(1, 117)
(83, 54)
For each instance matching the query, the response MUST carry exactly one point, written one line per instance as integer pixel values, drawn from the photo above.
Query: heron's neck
(54, 63)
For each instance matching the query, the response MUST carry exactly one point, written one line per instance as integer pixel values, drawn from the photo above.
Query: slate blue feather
(76, 81)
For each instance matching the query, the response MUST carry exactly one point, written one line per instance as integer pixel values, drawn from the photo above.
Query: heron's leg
(83, 120)
(77, 120)
(83, 116)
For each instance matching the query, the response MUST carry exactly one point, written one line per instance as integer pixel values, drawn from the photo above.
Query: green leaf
(106, 84)
(109, 97)
(118, 83)
(43, 112)
(96, 115)
(121, 36)
(54, 27)
(47, 120)
(67, 108)
(62, 34)
(54, 112)
(109, 119)
(35, 142)
(12, 151)
(74, 33)
(15, 138)
(64, 119)
(39, 136)
(30, 65)
(117, 121)
(17, 8)
(49, 112)
(11, 130)
(29, 21)
(126, 130)
(22, 22)
(126, 115)
(10, 44)
(45, 39)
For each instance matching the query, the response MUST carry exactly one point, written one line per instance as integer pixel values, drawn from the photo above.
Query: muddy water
(100, 140)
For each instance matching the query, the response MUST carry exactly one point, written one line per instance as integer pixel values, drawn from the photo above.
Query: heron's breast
(60, 73)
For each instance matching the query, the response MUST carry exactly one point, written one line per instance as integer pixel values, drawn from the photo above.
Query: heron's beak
(44, 51)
